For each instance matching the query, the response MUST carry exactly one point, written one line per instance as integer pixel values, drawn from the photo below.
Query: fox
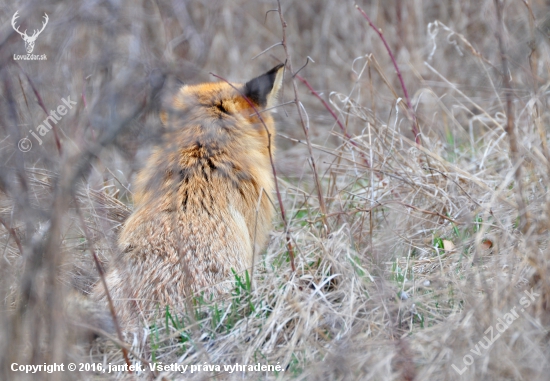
(202, 205)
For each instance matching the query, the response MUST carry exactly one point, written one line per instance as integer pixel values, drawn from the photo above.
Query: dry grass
(420, 250)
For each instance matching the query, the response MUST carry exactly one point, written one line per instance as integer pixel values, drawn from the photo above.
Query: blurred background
(439, 239)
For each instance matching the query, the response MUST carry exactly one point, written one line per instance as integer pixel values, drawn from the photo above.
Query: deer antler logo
(29, 40)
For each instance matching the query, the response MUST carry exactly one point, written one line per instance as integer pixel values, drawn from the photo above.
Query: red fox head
(222, 101)
(214, 134)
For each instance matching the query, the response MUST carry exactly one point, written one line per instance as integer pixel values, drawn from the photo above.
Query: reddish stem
(14, 235)
(405, 92)
(43, 106)
(305, 82)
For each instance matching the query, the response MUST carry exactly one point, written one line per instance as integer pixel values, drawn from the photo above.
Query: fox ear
(263, 90)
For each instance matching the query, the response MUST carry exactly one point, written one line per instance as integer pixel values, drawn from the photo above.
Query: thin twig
(281, 205)
(469, 99)
(510, 124)
(271, 10)
(43, 106)
(405, 92)
(266, 50)
(104, 283)
(329, 109)
(322, 204)
(387, 202)
(425, 211)
(274, 107)
(461, 37)
(121, 344)
(303, 67)
(12, 232)
(457, 184)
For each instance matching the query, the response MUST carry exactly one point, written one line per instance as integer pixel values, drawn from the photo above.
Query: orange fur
(196, 201)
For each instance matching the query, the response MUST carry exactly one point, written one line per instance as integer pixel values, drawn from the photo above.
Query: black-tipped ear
(263, 90)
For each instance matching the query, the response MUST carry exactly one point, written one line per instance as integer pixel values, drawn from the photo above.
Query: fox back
(201, 201)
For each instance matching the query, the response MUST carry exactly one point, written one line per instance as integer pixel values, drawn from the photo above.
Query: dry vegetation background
(406, 254)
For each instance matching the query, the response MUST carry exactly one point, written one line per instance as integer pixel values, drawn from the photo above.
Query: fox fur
(201, 201)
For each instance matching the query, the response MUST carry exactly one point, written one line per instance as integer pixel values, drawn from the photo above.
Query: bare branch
(401, 81)
(300, 69)
(43, 106)
(12, 232)
(329, 109)
(104, 283)
(266, 50)
(510, 124)
(305, 129)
